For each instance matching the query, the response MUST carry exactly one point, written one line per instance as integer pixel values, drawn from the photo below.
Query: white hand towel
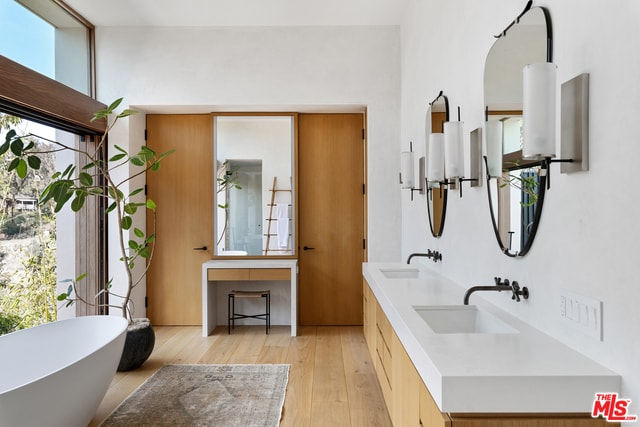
(282, 215)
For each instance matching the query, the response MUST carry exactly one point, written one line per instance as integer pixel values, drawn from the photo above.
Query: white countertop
(527, 371)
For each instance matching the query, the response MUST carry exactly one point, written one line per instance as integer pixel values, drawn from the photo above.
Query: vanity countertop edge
(482, 373)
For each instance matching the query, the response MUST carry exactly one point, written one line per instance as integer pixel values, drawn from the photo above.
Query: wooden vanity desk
(245, 270)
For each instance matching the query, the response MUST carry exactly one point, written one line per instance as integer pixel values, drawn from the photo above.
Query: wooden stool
(232, 315)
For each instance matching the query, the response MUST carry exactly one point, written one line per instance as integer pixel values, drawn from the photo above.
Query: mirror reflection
(515, 186)
(254, 199)
(437, 115)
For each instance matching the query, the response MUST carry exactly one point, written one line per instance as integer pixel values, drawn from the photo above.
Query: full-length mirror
(437, 115)
(515, 186)
(253, 158)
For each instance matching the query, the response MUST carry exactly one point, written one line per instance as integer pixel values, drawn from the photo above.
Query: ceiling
(222, 13)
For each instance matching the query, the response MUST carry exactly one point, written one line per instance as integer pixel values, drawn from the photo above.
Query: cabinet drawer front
(270, 274)
(228, 274)
(383, 325)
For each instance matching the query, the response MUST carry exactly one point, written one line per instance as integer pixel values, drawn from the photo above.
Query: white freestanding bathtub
(57, 374)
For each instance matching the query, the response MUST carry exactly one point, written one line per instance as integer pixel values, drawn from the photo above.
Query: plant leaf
(126, 222)
(151, 205)
(78, 202)
(34, 162)
(4, 148)
(10, 135)
(136, 161)
(130, 208)
(21, 168)
(139, 233)
(127, 112)
(115, 104)
(117, 157)
(17, 146)
(85, 179)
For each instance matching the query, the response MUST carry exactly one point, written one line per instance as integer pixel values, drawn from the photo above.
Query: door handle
(203, 248)
(307, 248)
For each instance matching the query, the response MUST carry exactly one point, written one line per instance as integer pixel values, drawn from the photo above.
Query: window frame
(33, 96)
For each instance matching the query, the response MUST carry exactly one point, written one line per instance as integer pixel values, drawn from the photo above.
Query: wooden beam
(30, 95)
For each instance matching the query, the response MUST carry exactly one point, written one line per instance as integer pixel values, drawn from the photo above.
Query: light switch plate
(582, 313)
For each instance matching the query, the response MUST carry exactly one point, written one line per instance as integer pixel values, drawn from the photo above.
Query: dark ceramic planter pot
(138, 344)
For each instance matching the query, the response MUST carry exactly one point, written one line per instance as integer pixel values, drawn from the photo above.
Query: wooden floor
(332, 381)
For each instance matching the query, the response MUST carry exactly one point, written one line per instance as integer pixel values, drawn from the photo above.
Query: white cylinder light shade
(435, 171)
(453, 150)
(493, 146)
(406, 169)
(539, 110)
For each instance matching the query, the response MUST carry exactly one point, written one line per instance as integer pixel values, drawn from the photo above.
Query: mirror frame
(543, 164)
(443, 187)
(294, 180)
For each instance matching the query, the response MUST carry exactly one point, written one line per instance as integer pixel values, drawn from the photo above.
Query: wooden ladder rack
(271, 219)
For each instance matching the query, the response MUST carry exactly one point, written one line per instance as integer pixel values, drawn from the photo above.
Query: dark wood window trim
(30, 95)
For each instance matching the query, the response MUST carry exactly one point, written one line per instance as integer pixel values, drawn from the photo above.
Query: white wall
(588, 236)
(286, 69)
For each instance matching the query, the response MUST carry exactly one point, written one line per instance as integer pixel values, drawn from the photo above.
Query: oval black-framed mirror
(515, 186)
(437, 115)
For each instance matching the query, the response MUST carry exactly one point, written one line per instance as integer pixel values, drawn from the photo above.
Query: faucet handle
(516, 291)
(497, 280)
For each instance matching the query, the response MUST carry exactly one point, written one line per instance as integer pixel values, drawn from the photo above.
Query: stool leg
(268, 316)
(231, 313)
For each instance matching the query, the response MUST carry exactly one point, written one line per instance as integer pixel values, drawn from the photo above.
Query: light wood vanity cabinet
(408, 399)
(253, 274)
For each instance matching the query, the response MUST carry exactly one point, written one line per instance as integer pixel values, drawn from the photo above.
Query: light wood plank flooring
(332, 382)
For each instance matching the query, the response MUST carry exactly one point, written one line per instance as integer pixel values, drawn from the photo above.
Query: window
(49, 39)
(58, 96)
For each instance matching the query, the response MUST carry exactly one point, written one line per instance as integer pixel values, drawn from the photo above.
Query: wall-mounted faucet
(500, 286)
(434, 255)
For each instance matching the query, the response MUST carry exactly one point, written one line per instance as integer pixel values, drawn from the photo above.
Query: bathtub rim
(61, 367)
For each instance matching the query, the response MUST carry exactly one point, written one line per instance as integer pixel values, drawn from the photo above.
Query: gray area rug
(206, 395)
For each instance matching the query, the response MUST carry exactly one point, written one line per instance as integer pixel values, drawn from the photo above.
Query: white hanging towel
(282, 215)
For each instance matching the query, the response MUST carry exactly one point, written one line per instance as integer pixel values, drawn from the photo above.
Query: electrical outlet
(581, 312)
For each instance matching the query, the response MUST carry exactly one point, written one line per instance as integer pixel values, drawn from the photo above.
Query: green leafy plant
(30, 298)
(226, 180)
(9, 323)
(74, 186)
(526, 183)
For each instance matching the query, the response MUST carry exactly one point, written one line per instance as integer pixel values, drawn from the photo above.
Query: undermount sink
(462, 319)
(401, 273)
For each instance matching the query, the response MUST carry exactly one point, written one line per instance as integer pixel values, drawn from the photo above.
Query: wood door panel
(183, 191)
(331, 208)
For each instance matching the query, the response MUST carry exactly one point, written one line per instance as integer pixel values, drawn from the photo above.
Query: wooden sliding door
(183, 191)
(331, 212)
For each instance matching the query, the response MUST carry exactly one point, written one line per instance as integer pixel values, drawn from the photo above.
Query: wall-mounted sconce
(539, 119)
(475, 158)
(407, 170)
(493, 143)
(454, 153)
(435, 171)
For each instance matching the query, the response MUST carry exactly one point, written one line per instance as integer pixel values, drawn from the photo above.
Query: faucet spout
(500, 286)
(497, 288)
(434, 255)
